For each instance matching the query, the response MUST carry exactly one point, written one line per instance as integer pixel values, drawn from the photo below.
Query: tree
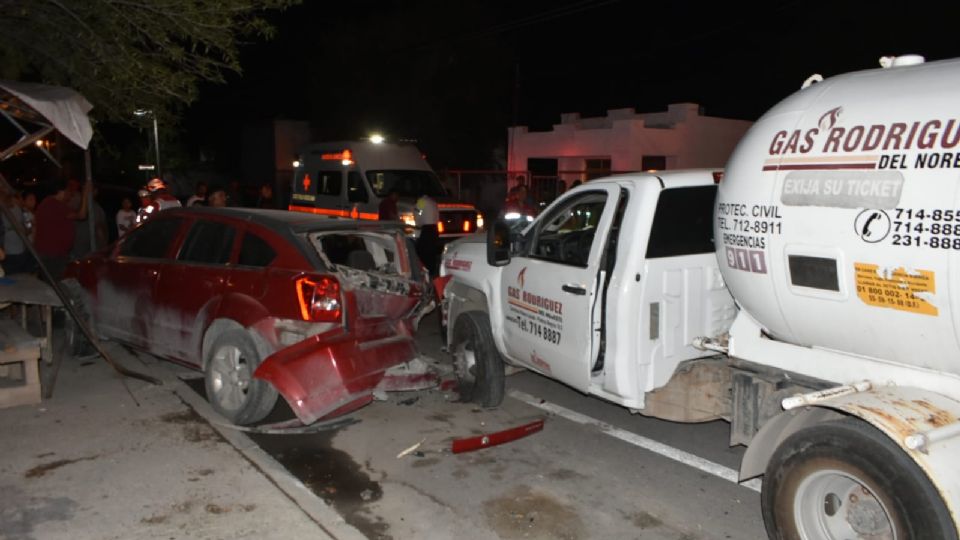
(124, 55)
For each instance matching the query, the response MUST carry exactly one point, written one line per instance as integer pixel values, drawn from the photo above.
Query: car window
(565, 235)
(366, 251)
(682, 224)
(356, 191)
(208, 242)
(329, 182)
(151, 239)
(255, 251)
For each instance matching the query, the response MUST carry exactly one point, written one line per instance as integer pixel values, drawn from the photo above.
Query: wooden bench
(19, 373)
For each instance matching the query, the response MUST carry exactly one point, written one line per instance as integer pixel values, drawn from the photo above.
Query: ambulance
(350, 179)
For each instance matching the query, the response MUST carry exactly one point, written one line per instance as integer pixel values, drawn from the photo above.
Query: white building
(623, 141)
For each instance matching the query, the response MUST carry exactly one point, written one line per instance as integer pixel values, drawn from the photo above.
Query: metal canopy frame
(15, 109)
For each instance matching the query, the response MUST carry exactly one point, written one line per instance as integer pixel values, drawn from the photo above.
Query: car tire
(846, 479)
(231, 387)
(477, 363)
(77, 344)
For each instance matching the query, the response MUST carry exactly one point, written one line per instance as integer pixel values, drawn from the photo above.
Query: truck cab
(605, 291)
(351, 178)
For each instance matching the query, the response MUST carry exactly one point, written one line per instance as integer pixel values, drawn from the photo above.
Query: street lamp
(140, 113)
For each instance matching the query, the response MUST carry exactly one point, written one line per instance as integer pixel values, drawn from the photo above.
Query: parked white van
(350, 178)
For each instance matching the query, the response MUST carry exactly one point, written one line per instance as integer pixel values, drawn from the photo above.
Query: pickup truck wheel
(231, 388)
(846, 479)
(477, 363)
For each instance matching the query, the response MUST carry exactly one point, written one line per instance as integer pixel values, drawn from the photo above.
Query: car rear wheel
(846, 479)
(231, 387)
(477, 363)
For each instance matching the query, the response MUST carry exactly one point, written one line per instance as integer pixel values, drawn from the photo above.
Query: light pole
(140, 113)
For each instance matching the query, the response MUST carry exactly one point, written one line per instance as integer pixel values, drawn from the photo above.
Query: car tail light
(466, 225)
(440, 227)
(319, 298)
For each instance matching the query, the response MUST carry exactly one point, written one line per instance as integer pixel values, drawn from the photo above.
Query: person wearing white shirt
(126, 217)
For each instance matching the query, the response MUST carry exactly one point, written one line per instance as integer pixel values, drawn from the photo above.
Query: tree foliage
(125, 55)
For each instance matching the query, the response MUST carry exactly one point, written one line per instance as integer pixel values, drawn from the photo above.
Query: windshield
(406, 183)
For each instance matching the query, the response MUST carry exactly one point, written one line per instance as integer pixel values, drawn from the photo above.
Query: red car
(263, 301)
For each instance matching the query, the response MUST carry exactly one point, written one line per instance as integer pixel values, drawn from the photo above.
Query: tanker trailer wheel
(844, 480)
(231, 388)
(476, 362)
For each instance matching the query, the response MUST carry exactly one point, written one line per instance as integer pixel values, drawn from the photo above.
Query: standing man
(388, 207)
(428, 242)
(160, 199)
(126, 217)
(217, 197)
(55, 227)
(199, 196)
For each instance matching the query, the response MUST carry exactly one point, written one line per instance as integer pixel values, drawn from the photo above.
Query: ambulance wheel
(846, 479)
(476, 362)
(231, 387)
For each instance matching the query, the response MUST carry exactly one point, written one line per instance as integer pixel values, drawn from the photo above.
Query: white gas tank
(838, 220)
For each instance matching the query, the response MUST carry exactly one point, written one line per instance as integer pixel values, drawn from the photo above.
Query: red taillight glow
(466, 225)
(440, 227)
(319, 298)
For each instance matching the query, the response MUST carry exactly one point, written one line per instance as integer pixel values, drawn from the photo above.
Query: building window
(653, 163)
(596, 168)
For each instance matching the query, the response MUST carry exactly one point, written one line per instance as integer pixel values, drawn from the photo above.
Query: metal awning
(46, 108)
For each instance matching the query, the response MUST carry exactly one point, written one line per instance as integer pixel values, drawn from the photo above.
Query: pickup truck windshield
(407, 183)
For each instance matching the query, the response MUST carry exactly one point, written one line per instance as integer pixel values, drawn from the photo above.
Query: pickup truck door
(550, 289)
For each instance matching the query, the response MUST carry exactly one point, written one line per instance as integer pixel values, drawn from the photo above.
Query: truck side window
(682, 224)
(356, 191)
(566, 234)
(329, 182)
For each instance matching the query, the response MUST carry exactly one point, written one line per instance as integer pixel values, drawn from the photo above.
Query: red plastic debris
(470, 444)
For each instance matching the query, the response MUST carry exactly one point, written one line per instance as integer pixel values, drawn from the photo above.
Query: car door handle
(574, 289)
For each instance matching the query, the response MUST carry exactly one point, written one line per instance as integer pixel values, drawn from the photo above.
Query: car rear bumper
(324, 376)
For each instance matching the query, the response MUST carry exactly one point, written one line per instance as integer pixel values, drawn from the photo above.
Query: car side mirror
(498, 244)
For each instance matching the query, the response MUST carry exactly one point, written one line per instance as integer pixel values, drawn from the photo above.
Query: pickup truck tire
(476, 361)
(846, 479)
(231, 387)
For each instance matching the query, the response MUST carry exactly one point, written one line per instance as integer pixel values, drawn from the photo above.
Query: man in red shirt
(388, 207)
(55, 224)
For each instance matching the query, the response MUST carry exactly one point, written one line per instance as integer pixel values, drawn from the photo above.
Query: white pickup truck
(808, 295)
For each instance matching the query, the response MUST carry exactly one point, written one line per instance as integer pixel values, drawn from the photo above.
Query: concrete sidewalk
(94, 462)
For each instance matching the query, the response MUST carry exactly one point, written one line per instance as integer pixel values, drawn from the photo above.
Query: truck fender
(926, 425)
(462, 298)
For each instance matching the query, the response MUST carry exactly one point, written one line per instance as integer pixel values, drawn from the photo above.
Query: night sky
(454, 75)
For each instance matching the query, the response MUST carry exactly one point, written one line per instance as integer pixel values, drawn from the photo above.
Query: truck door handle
(574, 289)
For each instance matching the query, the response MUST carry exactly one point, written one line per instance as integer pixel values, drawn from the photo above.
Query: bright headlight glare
(407, 218)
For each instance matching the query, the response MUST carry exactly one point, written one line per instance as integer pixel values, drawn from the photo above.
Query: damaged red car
(319, 310)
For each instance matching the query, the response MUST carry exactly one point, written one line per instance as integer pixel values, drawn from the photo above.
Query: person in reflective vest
(160, 199)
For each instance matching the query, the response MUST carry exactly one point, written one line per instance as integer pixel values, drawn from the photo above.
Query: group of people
(62, 226)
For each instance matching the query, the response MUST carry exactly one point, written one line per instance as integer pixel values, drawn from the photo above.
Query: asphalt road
(579, 478)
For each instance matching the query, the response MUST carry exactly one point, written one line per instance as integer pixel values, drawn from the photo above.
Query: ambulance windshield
(408, 183)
